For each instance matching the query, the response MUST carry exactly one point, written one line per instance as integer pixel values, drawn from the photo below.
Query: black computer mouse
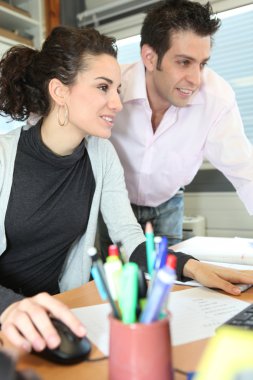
(71, 350)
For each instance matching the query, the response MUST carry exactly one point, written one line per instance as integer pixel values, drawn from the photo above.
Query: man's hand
(27, 325)
(214, 276)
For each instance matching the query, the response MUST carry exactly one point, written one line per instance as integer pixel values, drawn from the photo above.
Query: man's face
(181, 70)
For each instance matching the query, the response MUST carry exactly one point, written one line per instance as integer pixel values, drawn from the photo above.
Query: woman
(56, 175)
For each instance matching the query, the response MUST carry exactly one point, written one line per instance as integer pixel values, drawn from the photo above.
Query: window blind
(232, 58)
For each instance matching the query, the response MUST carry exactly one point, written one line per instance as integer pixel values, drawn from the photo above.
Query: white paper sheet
(227, 250)
(95, 318)
(196, 313)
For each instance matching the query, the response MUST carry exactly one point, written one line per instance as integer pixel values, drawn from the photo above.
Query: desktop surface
(185, 357)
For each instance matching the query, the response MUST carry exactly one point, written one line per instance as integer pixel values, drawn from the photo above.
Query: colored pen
(113, 252)
(163, 282)
(160, 258)
(150, 247)
(157, 241)
(142, 292)
(128, 295)
(101, 282)
(162, 254)
(171, 264)
(122, 253)
(113, 269)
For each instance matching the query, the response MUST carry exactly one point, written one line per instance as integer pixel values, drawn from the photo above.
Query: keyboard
(243, 319)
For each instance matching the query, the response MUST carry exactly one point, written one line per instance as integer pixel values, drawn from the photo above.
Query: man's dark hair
(173, 16)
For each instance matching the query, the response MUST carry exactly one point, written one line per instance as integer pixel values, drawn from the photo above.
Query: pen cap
(93, 253)
(171, 261)
(113, 250)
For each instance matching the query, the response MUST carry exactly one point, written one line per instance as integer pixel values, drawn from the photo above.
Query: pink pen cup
(140, 351)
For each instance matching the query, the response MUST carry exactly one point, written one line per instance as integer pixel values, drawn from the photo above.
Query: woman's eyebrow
(106, 79)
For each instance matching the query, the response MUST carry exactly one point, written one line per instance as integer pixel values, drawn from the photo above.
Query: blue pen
(162, 284)
(101, 282)
(162, 254)
(161, 244)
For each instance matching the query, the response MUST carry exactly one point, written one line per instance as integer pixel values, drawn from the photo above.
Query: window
(232, 57)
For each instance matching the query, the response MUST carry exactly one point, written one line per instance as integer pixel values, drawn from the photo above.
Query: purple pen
(161, 287)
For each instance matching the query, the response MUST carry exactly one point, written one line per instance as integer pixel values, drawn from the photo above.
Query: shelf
(17, 38)
(11, 20)
(22, 23)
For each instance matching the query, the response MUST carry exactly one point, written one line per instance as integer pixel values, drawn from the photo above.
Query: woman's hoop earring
(66, 115)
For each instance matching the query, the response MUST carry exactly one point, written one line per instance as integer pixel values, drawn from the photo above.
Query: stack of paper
(218, 249)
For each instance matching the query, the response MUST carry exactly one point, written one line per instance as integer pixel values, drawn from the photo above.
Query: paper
(195, 314)
(95, 318)
(227, 250)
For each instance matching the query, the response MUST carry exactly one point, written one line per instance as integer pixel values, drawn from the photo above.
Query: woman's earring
(66, 115)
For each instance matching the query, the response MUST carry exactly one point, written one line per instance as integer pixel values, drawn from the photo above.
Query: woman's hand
(214, 276)
(27, 325)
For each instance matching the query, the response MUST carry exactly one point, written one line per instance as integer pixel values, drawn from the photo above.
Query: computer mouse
(71, 350)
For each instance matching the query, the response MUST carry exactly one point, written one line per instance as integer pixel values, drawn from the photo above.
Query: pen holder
(140, 351)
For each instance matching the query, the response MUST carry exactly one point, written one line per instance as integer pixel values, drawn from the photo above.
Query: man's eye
(103, 87)
(203, 65)
(184, 62)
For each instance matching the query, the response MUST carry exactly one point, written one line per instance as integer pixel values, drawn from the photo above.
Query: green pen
(150, 247)
(128, 295)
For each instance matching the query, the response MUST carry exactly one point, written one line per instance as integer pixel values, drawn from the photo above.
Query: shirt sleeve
(139, 257)
(230, 151)
(7, 297)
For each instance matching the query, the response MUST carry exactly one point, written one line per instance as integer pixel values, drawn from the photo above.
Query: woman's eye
(103, 87)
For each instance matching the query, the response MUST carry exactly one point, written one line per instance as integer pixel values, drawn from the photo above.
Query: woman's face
(93, 100)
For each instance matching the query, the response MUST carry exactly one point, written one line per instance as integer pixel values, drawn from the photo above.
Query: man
(176, 112)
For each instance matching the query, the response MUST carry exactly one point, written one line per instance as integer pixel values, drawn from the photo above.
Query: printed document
(195, 314)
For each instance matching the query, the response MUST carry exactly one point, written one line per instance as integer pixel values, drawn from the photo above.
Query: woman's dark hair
(173, 16)
(25, 73)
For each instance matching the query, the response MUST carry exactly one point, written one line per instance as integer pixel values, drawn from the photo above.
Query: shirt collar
(133, 88)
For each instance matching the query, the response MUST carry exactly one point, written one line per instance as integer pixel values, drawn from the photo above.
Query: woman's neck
(61, 140)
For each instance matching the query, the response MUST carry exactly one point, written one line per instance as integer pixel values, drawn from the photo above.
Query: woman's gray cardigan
(110, 196)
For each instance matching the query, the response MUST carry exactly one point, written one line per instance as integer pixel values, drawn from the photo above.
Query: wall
(225, 215)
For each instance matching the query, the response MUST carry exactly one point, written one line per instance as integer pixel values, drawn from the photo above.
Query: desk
(185, 357)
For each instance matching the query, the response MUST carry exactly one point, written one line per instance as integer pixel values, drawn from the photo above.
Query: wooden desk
(185, 357)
